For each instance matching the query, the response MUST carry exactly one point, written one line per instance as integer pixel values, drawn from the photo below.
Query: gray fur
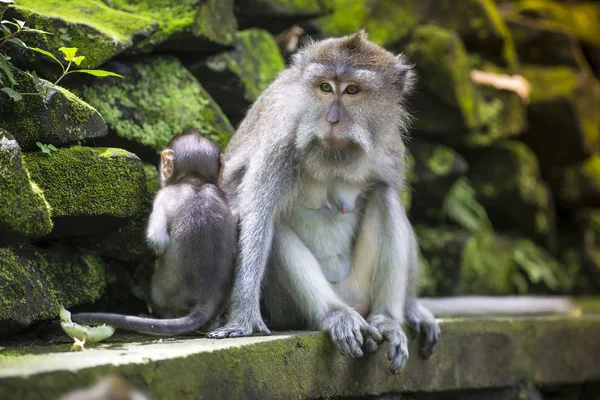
(193, 232)
(315, 178)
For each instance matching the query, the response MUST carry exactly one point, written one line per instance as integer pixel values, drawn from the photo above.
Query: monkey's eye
(326, 87)
(352, 89)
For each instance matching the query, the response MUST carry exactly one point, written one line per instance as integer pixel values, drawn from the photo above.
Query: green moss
(211, 19)
(157, 99)
(256, 61)
(89, 181)
(446, 86)
(59, 118)
(34, 283)
(549, 83)
(579, 184)
(23, 208)
(441, 161)
(487, 266)
(461, 207)
(98, 31)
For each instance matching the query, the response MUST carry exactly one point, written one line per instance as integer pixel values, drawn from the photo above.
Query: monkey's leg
(314, 297)
(386, 232)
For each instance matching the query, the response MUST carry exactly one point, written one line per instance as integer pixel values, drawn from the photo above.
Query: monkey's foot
(347, 330)
(423, 325)
(237, 329)
(393, 333)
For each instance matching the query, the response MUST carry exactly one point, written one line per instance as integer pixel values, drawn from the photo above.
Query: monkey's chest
(325, 217)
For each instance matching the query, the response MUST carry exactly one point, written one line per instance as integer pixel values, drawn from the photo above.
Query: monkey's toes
(430, 340)
(371, 345)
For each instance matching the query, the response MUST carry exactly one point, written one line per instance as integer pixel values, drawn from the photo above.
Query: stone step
(472, 354)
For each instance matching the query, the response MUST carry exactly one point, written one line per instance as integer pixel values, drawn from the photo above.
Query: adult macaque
(193, 232)
(314, 172)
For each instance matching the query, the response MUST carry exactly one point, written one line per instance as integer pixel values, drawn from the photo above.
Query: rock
(507, 181)
(236, 78)
(189, 26)
(577, 185)
(24, 212)
(90, 190)
(461, 207)
(511, 393)
(445, 100)
(57, 118)
(98, 31)
(543, 45)
(564, 123)
(460, 263)
(582, 19)
(386, 21)
(436, 169)
(157, 99)
(35, 281)
(276, 15)
(481, 28)
(484, 263)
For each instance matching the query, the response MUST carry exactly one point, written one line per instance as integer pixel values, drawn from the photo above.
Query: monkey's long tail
(149, 326)
(498, 305)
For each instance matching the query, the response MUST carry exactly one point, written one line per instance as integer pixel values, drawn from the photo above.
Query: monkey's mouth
(331, 143)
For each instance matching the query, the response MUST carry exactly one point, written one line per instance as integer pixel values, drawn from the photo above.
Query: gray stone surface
(472, 354)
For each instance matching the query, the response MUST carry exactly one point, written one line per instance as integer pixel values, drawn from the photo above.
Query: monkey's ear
(166, 164)
(222, 165)
(406, 76)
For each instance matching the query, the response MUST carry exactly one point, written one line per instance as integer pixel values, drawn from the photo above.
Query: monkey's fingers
(370, 345)
(430, 339)
(371, 331)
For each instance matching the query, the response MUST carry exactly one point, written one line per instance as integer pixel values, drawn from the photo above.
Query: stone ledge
(495, 352)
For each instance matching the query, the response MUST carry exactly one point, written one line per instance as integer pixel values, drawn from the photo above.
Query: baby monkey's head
(190, 156)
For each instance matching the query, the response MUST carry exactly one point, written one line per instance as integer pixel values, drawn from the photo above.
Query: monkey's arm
(256, 208)
(387, 237)
(314, 297)
(157, 233)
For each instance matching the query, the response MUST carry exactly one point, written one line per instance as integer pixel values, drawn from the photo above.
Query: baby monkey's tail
(150, 326)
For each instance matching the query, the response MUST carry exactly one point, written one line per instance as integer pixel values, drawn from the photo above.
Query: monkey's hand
(238, 327)
(393, 333)
(348, 329)
(423, 325)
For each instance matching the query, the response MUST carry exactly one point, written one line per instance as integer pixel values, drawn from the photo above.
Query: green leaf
(21, 23)
(43, 147)
(69, 52)
(5, 30)
(18, 42)
(6, 1)
(16, 96)
(35, 78)
(78, 60)
(27, 29)
(51, 147)
(4, 67)
(96, 72)
(5, 21)
(46, 53)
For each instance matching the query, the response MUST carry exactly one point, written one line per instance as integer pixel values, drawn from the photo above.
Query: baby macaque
(193, 232)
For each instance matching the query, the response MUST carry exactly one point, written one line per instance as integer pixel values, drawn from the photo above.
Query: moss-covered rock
(564, 122)
(461, 207)
(436, 169)
(90, 190)
(446, 99)
(187, 25)
(24, 212)
(34, 282)
(98, 31)
(577, 185)
(539, 44)
(236, 78)
(58, 118)
(507, 181)
(488, 264)
(582, 19)
(157, 99)
(481, 28)
(386, 21)
(276, 15)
